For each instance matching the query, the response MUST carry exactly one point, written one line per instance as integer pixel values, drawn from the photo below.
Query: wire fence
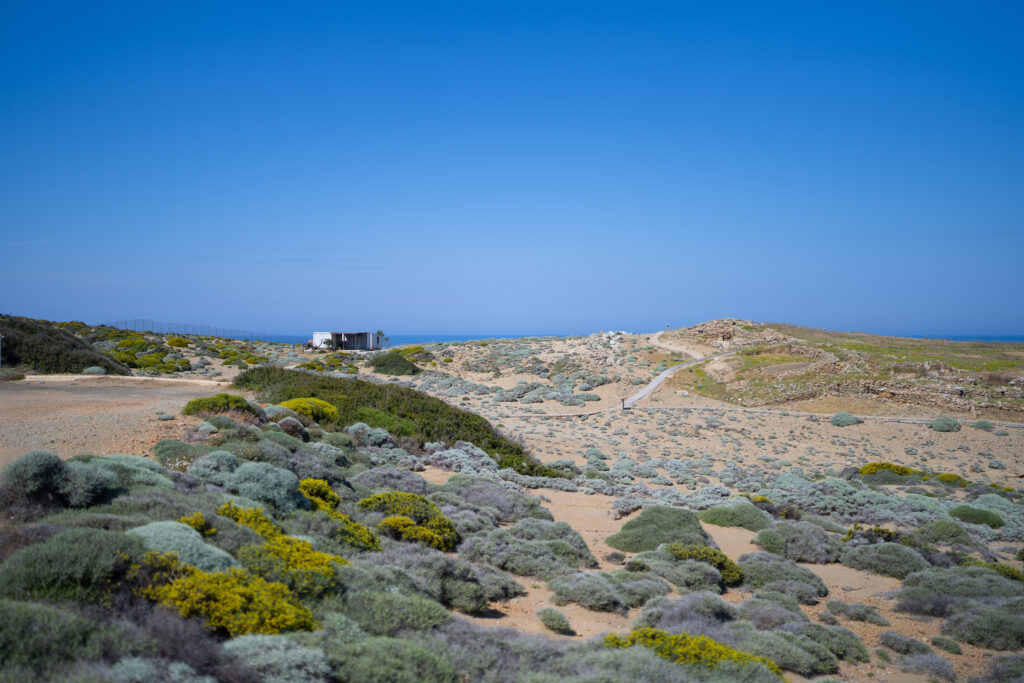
(160, 327)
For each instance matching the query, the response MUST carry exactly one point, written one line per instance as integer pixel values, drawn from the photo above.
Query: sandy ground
(72, 415)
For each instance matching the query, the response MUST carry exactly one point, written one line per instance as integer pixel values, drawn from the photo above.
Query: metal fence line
(160, 327)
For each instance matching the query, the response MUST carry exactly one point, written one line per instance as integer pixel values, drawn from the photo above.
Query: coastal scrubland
(495, 515)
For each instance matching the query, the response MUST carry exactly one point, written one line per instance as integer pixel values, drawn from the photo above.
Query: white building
(347, 341)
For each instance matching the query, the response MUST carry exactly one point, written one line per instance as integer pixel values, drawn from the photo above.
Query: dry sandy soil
(72, 415)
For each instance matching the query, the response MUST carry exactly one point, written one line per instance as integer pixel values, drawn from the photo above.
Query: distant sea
(1002, 339)
(403, 339)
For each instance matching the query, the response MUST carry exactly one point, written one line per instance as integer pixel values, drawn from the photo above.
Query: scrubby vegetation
(46, 348)
(399, 410)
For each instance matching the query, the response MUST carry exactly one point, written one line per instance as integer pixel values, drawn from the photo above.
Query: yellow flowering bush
(325, 500)
(732, 575)
(252, 518)
(293, 562)
(951, 479)
(198, 522)
(283, 558)
(687, 649)
(431, 527)
(235, 602)
(873, 467)
(1009, 571)
(315, 409)
(320, 493)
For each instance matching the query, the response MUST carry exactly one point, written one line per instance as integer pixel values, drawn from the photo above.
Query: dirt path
(73, 414)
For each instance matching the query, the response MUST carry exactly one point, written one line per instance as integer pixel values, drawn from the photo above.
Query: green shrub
(278, 659)
(265, 483)
(940, 592)
(389, 614)
(76, 565)
(656, 525)
(178, 455)
(313, 408)
(37, 473)
(408, 412)
(800, 542)
(38, 638)
(947, 644)
(175, 537)
(596, 591)
(857, 612)
(944, 424)
(555, 621)
(984, 425)
(732, 575)
(740, 514)
(902, 644)
(888, 559)
(989, 627)
(844, 419)
(178, 342)
(47, 348)
(221, 403)
(973, 515)
(942, 531)
(761, 569)
(393, 363)
(390, 660)
(86, 484)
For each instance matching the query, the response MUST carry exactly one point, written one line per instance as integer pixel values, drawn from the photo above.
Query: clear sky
(519, 167)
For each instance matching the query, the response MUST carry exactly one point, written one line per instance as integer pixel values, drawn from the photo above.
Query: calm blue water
(401, 339)
(1002, 339)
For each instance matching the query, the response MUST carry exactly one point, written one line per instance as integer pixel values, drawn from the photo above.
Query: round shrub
(393, 363)
(87, 483)
(761, 569)
(277, 659)
(314, 408)
(77, 565)
(94, 370)
(984, 425)
(175, 537)
(738, 514)
(232, 602)
(989, 627)
(387, 614)
(392, 660)
(888, 559)
(844, 419)
(268, 484)
(732, 575)
(973, 515)
(37, 637)
(594, 590)
(219, 404)
(656, 525)
(215, 468)
(178, 342)
(944, 424)
(942, 531)
(555, 621)
(38, 472)
(800, 542)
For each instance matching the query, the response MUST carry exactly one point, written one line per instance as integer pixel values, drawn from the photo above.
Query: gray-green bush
(656, 525)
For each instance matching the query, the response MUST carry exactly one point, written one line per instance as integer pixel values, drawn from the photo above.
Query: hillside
(780, 364)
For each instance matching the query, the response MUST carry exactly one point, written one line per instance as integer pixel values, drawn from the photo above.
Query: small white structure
(347, 341)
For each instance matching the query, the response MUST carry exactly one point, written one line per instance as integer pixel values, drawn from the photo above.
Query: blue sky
(519, 167)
